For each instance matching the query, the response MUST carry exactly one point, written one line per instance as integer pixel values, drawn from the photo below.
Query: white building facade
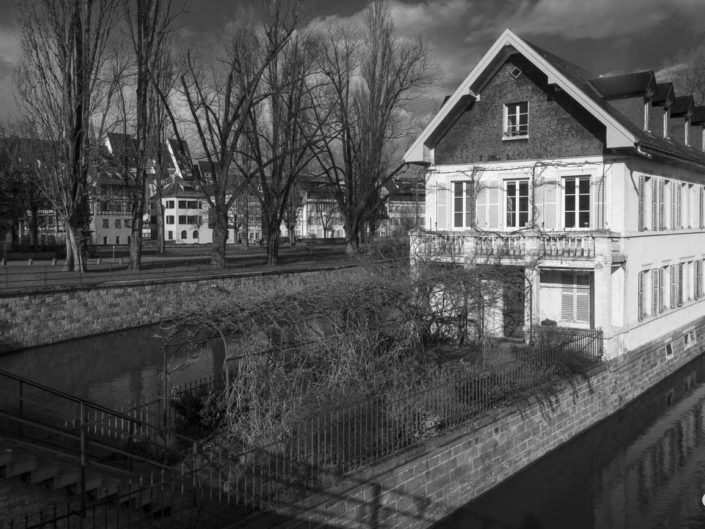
(579, 185)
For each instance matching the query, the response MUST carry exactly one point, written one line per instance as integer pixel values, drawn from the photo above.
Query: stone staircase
(33, 477)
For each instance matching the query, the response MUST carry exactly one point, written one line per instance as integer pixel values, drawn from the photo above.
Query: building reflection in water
(644, 467)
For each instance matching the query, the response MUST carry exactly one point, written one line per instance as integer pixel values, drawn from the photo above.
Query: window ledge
(511, 138)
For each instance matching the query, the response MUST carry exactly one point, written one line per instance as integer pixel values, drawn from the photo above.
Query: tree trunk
(136, 243)
(77, 246)
(292, 236)
(220, 233)
(161, 245)
(271, 228)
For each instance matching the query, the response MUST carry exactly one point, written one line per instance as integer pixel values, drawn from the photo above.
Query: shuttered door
(575, 297)
(442, 196)
(567, 296)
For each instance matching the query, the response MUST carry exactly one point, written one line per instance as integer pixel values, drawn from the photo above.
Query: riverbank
(40, 318)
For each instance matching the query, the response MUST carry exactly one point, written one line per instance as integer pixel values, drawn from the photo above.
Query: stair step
(108, 488)
(67, 476)
(20, 464)
(93, 482)
(44, 471)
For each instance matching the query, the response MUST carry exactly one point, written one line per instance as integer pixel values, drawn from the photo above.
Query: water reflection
(115, 369)
(642, 468)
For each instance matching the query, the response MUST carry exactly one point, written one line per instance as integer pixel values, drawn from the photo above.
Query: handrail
(93, 405)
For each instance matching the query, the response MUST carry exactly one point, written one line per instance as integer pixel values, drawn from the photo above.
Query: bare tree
(220, 97)
(282, 137)
(149, 23)
(370, 77)
(687, 72)
(63, 46)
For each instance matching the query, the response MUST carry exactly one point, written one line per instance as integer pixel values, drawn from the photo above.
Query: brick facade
(42, 318)
(423, 485)
(558, 126)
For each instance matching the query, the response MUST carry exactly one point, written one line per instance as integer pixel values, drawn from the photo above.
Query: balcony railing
(506, 246)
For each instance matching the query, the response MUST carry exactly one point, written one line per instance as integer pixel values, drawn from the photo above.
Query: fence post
(83, 457)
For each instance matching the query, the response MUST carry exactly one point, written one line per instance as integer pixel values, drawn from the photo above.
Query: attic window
(516, 121)
(515, 72)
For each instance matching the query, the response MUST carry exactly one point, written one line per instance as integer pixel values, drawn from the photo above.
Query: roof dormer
(661, 102)
(698, 126)
(631, 94)
(681, 112)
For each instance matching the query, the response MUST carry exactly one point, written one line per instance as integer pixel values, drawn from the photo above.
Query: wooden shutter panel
(655, 187)
(642, 193)
(493, 208)
(640, 304)
(599, 203)
(674, 285)
(662, 205)
(582, 298)
(567, 296)
(442, 196)
(549, 205)
(481, 209)
(654, 291)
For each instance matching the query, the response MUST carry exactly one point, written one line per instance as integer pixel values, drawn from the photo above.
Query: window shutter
(642, 192)
(640, 304)
(582, 298)
(674, 208)
(655, 188)
(661, 205)
(655, 291)
(567, 296)
(493, 208)
(549, 205)
(442, 207)
(702, 207)
(481, 209)
(600, 204)
(469, 204)
(674, 285)
(661, 287)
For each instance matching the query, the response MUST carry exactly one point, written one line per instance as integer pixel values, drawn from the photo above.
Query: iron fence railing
(223, 475)
(39, 277)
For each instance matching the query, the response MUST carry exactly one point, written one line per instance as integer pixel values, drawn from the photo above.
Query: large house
(590, 189)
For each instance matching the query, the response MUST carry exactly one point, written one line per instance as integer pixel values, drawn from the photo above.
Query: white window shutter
(582, 298)
(548, 211)
(599, 204)
(642, 196)
(567, 296)
(481, 209)
(442, 197)
(493, 208)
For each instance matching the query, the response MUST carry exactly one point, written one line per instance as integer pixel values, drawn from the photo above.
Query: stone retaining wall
(28, 320)
(423, 485)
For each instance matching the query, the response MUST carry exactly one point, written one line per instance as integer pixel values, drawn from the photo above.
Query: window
(106, 223)
(117, 240)
(577, 202)
(673, 272)
(656, 291)
(105, 241)
(463, 204)
(127, 222)
(517, 204)
(698, 290)
(170, 204)
(192, 219)
(575, 297)
(195, 234)
(183, 234)
(170, 235)
(192, 204)
(117, 223)
(170, 219)
(689, 339)
(200, 206)
(516, 120)
(182, 204)
(182, 219)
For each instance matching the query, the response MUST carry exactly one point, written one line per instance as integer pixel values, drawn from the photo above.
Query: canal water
(115, 369)
(641, 468)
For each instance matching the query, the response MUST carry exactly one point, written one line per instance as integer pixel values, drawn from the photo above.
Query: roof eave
(617, 136)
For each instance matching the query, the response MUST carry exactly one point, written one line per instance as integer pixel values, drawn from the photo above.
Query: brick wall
(558, 127)
(42, 318)
(423, 485)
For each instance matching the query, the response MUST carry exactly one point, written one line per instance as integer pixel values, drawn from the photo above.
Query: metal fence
(39, 277)
(224, 477)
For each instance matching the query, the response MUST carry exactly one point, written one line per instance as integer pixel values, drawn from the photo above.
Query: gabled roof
(698, 116)
(682, 105)
(625, 85)
(621, 133)
(663, 95)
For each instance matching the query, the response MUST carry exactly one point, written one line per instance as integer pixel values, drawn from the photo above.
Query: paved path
(20, 276)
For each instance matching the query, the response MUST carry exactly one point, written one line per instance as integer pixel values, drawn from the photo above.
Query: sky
(602, 36)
